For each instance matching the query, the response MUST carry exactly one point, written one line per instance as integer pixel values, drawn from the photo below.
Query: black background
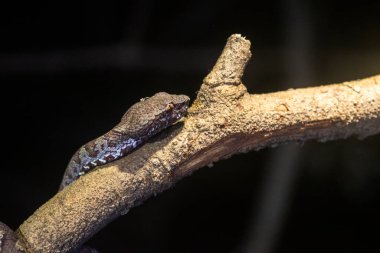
(69, 71)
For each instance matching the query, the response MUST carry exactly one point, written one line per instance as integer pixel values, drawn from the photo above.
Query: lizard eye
(169, 106)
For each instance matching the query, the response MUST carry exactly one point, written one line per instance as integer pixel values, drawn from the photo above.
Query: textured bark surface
(223, 120)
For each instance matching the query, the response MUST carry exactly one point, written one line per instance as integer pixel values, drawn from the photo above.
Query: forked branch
(223, 120)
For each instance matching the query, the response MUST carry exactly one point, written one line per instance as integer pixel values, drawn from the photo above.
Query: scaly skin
(143, 120)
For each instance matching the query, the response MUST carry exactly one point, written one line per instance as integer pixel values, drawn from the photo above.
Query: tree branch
(223, 120)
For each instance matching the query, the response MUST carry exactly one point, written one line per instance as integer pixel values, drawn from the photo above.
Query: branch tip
(230, 66)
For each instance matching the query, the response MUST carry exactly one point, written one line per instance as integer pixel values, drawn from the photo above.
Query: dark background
(69, 71)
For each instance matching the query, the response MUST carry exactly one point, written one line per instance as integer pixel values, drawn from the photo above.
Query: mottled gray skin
(143, 120)
(8, 240)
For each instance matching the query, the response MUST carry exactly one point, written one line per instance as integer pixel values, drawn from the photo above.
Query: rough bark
(223, 120)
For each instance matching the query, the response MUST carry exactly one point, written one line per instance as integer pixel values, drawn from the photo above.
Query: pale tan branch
(223, 120)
